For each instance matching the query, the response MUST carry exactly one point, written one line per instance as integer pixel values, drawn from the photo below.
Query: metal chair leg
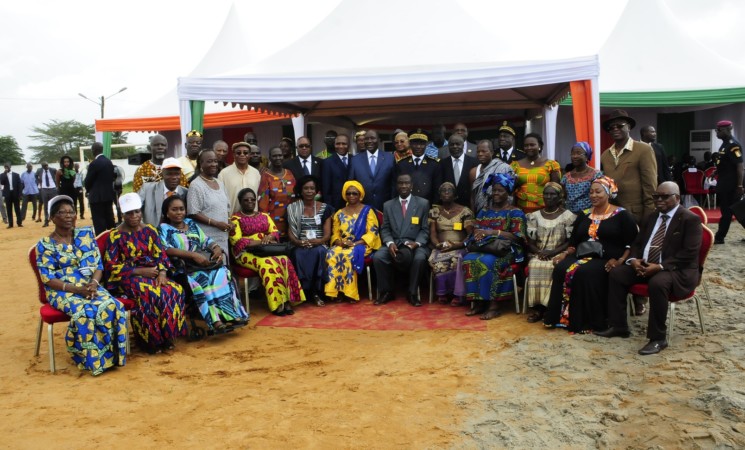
(50, 338)
(126, 325)
(431, 286)
(700, 314)
(706, 291)
(671, 328)
(514, 290)
(369, 285)
(525, 296)
(38, 337)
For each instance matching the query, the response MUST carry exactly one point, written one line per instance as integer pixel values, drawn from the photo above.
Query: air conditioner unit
(702, 141)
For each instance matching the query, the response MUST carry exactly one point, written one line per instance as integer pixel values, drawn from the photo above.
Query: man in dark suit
(47, 177)
(506, 140)
(335, 172)
(405, 235)
(304, 163)
(469, 148)
(665, 256)
(99, 182)
(12, 188)
(425, 171)
(649, 136)
(374, 169)
(459, 162)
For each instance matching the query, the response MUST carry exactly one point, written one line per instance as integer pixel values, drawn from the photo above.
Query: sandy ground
(513, 386)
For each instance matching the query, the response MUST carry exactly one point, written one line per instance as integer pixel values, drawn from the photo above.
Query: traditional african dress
(547, 234)
(310, 263)
(345, 263)
(579, 289)
(398, 157)
(159, 315)
(275, 194)
(148, 172)
(578, 189)
(530, 183)
(277, 272)
(487, 276)
(446, 265)
(214, 204)
(97, 335)
(213, 291)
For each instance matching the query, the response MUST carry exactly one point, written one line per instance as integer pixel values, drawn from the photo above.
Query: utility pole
(102, 101)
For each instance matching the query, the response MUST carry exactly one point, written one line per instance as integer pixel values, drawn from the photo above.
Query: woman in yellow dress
(533, 172)
(354, 236)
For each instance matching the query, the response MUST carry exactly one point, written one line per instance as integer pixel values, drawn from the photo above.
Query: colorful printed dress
(578, 189)
(275, 194)
(97, 335)
(342, 270)
(213, 291)
(159, 315)
(487, 276)
(446, 265)
(277, 272)
(530, 182)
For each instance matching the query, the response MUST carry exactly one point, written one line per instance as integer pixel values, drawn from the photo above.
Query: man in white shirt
(239, 175)
(153, 193)
(304, 163)
(47, 188)
(12, 188)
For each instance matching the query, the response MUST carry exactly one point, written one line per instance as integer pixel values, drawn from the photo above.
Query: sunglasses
(661, 196)
(617, 125)
(304, 146)
(241, 153)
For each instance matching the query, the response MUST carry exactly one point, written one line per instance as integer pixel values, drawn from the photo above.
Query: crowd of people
(478, 217)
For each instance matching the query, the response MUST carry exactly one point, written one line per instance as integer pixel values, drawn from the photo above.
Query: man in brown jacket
(631, 164)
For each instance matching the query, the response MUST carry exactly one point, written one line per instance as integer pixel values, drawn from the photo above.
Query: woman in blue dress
(487, 270)
(577, 181)
(70, 267)
(213, 290)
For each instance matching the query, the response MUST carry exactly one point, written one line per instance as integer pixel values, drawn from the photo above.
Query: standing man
(405, 234)
(455, 169)
(252, 139)
(459, 129)
(118, 188)
(488, 165)
(239, 175)
(631, 164)
(255, 159)
(424, 170)
(193, 144)
(438, 141)
(359, 142)
(30, 192)
(150, 170)
(99, 182)
(649, 136)
(665, 256)
(153, 193)
(12, 188)
(374, 169)
(506, 139)
(47, 189)
(79, 192)
(304, 163)
(729, 172)
(220, 148)
(335, 171)
(330, 141)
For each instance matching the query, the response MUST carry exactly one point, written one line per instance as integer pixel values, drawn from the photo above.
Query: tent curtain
(197, 115)
(584, 117)
(107, 144)
(550, 116)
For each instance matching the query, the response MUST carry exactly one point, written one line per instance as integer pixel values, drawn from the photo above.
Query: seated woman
(495, 244)
(309, 232)
(213, 289)
(252, 229)
(449, 224)
(578, 180)
(600, 241)
(136, 265)
(533, 172)
(548, 235)
(70, 268)
(355, 234)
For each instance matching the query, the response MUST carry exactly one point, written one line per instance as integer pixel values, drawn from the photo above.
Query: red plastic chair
(642, 289)
(699, 211)
(694, 184)
(240, 272)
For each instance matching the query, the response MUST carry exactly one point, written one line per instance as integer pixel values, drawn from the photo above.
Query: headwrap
(559, 188)
(354, 184)
(586, 147)
(505, 180)
(608, 184)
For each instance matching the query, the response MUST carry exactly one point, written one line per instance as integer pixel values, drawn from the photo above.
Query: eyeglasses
(352, 193)
(242, 153)
(661, 196)
(303, 146)
(66, 213)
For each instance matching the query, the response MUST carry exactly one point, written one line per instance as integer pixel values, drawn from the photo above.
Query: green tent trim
(670, 98)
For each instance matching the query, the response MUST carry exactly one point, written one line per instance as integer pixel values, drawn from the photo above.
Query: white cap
(57, 198)
(130, 202)
(171, 163)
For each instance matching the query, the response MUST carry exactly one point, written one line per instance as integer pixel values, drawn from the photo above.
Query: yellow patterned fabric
(529, 194)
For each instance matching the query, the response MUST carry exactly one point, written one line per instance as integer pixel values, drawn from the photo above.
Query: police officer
(424, 170)
(729, 176)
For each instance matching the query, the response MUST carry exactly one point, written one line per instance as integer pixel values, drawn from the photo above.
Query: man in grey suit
(405, 235)
(153, 193)
(469, 148)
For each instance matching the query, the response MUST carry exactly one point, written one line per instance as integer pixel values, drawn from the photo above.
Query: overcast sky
(51, 50)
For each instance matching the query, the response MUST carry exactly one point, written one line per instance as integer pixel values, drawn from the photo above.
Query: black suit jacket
(463, 188)
(296, 168)
(17, 185)
(425, 179)
(679, 249)
(334, 175)
(99, 181)
(516, 154)
(663, 169)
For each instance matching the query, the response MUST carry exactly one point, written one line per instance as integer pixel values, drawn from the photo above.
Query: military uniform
(425, 178)
(729, 156)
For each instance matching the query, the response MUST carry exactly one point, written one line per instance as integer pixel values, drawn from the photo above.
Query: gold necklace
(205, 178)
(62, 239)
(247, 215)
(552, 212)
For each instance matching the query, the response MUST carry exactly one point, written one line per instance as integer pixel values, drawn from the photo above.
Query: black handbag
(189, 266)
(589, 249)
(267, 250)
(496, 246)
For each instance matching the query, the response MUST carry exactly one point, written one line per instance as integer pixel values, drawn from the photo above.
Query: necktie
(416, 162)
(403, 207)
(504, 155)
(372, 164)
(305, 167)
(344, 160)
(655, 247)
(46, 179)
(456, 170)
(170, 193)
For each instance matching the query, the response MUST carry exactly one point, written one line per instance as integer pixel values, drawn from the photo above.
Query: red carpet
(397, 315)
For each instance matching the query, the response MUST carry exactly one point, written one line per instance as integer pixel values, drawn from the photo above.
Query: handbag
(589, 249)
(189, 266)
(498, 247)
(267, 250)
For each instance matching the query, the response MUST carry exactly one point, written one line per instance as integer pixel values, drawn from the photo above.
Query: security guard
(424, 170)
(729, 177)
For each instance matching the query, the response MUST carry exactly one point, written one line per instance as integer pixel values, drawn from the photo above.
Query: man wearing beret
(729, 173)
(424, 170)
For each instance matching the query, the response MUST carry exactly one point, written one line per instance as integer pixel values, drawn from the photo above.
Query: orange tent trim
(171, 123)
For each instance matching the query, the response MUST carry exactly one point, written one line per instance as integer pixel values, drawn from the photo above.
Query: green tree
(60, 138)
(10, 151)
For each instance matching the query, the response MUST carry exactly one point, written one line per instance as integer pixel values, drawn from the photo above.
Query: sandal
(280, 311)
(491, 313)
(318, 301)
(289, 311)
(456, 301)
(442, 300)
(477, 309)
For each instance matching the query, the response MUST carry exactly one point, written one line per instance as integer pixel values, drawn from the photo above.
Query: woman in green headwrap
(66, 177)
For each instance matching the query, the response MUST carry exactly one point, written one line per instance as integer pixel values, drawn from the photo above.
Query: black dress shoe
(653, 347)
(413, 300)
(383, 298)
(718, 241)
(614, 332)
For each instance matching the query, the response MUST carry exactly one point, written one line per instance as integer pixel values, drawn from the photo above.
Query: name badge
(310, 234)
(318, 219)
(457, 226)
(415, 220)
